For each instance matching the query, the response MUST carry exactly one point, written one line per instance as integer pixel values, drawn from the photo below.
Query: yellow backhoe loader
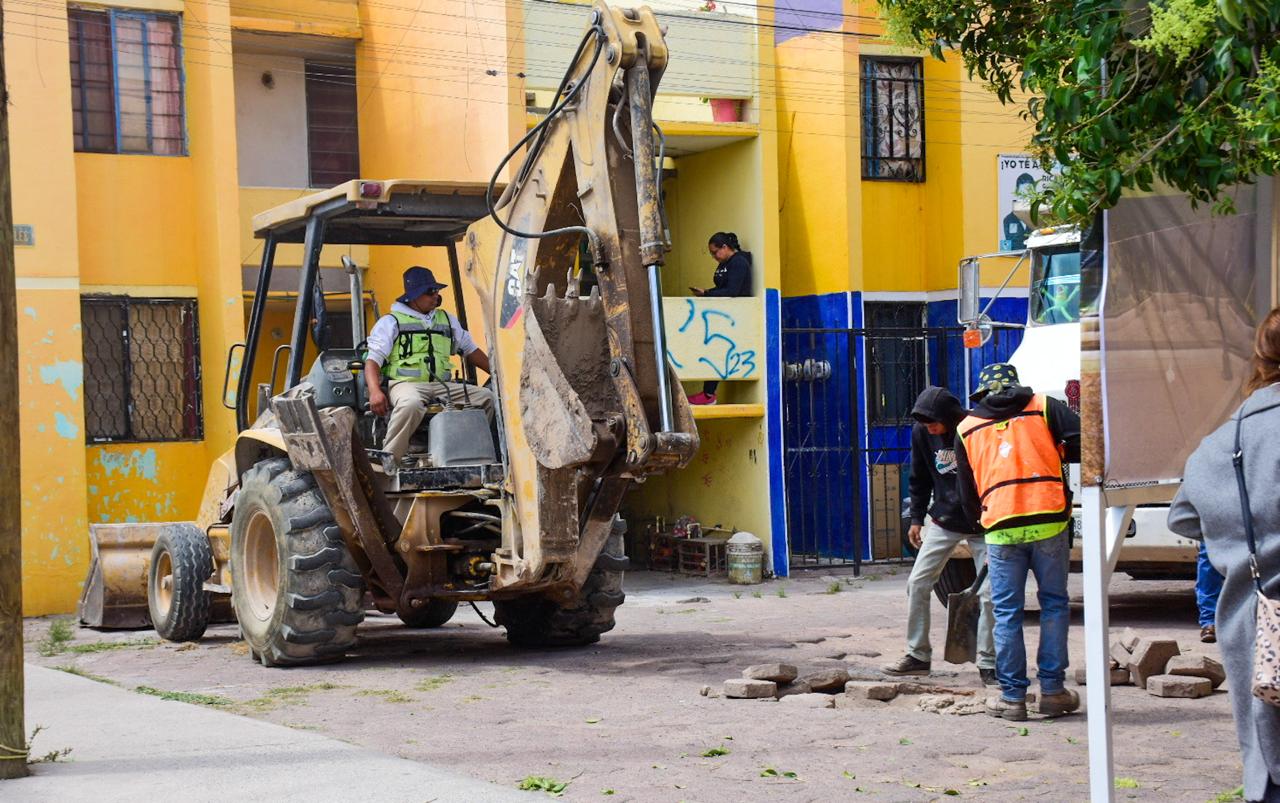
(305, 522)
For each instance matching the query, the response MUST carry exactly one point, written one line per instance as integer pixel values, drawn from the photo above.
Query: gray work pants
(409, 402)
(935, 549)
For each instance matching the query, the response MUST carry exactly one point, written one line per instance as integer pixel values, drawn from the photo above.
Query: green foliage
(834, 587)
(712, 752)
(541, 783)
(1229, 795)
(1126, 783)
(1121, 95)
(434, 682)
(184, 696)
(771, 772)
(72, 669)
(56, 639)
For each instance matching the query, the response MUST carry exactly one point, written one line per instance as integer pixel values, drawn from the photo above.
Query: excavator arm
(588, 400)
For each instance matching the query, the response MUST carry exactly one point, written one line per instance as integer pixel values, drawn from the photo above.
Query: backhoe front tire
(435, 613)
(181, 560)
(539, 622)
(296, 590)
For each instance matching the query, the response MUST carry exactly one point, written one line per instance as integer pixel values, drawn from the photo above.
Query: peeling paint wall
(130, 482)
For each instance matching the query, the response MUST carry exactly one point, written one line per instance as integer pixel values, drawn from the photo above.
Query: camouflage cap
(994, 378)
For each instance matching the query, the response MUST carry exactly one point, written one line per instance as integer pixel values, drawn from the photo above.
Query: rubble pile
(838, 688)
(1159, 666)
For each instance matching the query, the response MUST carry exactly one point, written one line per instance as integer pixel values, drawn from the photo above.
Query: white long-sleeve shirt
(387, 329)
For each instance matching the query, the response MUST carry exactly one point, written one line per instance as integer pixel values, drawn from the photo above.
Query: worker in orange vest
(1010, 456)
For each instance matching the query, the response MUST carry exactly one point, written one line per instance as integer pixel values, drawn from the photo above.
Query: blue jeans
(1048, 560)
(1208, 587)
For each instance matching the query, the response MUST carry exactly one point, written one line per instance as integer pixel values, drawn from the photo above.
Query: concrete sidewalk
(128, 746)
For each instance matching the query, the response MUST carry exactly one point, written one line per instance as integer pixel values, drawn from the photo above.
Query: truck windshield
(1055, 286)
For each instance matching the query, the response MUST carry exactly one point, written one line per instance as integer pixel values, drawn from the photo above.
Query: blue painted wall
(826, 478)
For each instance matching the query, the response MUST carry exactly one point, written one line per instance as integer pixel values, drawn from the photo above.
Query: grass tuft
(184, 696)
(57, 638)
(72, 669)
(387, 695)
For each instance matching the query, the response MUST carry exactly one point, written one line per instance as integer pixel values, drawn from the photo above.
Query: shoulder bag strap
(1237, 460)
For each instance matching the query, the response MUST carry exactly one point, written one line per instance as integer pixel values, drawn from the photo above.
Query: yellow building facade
(135, 247)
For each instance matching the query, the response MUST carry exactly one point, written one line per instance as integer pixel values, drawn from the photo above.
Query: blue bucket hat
(994, 378)
(418, 280)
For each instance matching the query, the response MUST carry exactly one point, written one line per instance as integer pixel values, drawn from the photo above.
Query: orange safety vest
(1016, 464)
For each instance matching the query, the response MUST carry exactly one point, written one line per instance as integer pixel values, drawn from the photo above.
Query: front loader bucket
(115, 592)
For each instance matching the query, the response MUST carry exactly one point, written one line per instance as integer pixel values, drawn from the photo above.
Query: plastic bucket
(745, 556)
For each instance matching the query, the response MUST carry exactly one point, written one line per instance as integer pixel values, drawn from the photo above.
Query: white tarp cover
(1184, 289)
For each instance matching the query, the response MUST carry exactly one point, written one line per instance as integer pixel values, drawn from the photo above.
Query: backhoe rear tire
(957, 576)
(434, 614)
(181, 560)
(296, 590)
(540, 622)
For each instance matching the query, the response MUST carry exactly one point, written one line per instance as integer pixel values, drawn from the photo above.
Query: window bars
(892, 119)
(126, 82)
(141, 369)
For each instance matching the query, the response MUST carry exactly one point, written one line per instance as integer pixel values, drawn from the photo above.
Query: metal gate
(847, 399)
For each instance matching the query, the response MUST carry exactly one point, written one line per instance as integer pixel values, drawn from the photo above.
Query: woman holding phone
(732, 279)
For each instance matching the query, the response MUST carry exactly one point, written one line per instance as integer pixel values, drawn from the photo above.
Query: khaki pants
(409, 402)
(935, 551)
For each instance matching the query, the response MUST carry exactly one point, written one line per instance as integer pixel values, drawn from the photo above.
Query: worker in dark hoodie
(938, 524)
(1011, 452)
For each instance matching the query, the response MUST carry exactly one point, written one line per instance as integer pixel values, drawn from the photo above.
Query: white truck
(1048, 360)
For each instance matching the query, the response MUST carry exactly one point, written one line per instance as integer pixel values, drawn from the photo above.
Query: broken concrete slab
(1200, 666)
(1119, 676)
(1149, 659)
(778, 673)
(810, 700)
(1179, 686)
(745, 688)
(871, 690)
(1129, 638)
(692, 600)
(830, 681)
(935, 703)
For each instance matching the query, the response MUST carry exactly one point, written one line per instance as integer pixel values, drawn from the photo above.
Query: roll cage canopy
(358, 212)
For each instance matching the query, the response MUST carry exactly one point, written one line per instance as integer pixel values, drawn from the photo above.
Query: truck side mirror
(968, 308)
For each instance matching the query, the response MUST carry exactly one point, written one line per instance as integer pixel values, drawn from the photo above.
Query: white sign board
(1013, 171)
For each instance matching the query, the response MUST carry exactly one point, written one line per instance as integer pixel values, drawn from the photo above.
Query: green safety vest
(421, 352)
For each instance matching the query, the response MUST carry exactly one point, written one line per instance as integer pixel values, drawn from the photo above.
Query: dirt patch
(627, 715)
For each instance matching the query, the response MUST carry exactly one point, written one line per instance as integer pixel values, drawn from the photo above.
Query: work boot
(1001, 708)
(702, 397)
(1059, 703)
(907, 665)
(1209, 634)
(988, 677)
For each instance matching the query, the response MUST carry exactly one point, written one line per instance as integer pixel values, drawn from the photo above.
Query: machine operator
(413, 346)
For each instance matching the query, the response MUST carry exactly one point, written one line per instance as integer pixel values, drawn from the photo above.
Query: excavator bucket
(115, 592)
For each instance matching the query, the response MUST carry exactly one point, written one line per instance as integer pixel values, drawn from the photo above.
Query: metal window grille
(126, 82)
(141, 369)
(333, 139)
(892, 119)
(897, 361)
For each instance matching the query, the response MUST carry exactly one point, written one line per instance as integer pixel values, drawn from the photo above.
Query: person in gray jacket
(1207, 508)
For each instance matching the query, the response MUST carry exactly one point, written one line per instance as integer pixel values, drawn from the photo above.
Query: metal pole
(455, 275)
(13, 738)
(1097, 623)
(245, 383)
(652, 240)
(306, 283)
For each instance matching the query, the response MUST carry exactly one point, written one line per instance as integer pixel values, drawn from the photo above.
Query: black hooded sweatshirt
(933, 462)
(732, 277)
(1064, 426)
